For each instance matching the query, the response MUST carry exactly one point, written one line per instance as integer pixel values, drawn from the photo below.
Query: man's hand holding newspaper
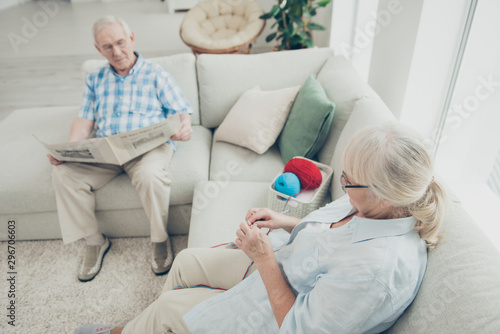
(120, 148)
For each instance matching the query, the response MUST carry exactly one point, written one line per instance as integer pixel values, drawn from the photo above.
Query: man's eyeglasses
(345, 183)
(108, 48)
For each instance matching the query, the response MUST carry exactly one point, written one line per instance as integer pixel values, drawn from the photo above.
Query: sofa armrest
(461, 288)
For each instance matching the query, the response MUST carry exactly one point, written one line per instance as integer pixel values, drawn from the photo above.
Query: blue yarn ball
(288, 184)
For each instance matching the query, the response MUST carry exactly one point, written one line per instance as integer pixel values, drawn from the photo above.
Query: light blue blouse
(357, 278)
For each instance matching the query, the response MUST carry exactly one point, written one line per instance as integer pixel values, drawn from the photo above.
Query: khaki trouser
(75, 183)
(215, 267)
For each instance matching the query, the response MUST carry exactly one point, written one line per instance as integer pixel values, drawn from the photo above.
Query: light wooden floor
(41, 50)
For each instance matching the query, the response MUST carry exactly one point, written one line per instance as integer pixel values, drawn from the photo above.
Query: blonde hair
(394, 163)
(108, 20)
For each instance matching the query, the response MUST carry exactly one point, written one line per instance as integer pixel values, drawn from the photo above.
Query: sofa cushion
(460, 292)
(257, 118)
(223, 78)
(182, 68)
(235, 163)
(308, 124)
(218, 209)
(367, 111)
(344, 86)
(28, 187)
(113, 223)
(189, 166)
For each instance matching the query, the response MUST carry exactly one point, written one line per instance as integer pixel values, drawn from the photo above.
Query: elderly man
(126, 94)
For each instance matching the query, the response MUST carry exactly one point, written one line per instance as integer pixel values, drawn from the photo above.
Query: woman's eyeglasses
(344, 181)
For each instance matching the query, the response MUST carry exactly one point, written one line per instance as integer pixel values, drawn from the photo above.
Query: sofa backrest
(344, 86)
(367, 111)
(181, 67)
(222, 79)
(357, 105)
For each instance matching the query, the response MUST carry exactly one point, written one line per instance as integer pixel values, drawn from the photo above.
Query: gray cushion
(460, 292)
(189, 166)
(113, 223)
(28, 187)
(236, 163)
(218, 209)
(223, 78)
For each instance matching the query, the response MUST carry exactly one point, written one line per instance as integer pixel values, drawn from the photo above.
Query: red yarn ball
(308, 173)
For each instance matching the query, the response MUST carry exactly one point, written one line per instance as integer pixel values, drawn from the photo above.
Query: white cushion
(221, 25)
(189, 165)
(367, 111)
(29, 166)
(257, 118)
(218, 209)
(223, 78)
(229, 162)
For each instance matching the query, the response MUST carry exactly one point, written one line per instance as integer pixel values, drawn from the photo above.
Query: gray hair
(394, 163)
(105, 21)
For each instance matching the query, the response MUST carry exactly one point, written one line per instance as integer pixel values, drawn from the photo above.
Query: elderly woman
(352, 266)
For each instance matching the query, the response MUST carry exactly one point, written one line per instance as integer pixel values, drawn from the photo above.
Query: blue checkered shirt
(117, 104)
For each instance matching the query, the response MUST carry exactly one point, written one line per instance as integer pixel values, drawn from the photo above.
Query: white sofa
(214, 183)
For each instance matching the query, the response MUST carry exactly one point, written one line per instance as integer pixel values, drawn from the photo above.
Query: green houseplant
(294, 23)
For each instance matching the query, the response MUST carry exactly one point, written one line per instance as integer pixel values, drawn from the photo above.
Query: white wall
(407, 52)
(413, 58)
(354, 26)
(393, 50)
(440, 30)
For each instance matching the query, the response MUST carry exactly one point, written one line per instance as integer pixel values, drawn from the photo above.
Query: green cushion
(308, 124)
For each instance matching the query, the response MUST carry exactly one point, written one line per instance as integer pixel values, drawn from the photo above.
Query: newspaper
(117, 149)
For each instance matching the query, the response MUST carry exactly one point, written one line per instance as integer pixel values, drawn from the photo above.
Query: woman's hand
(258, 247)
(254, 242)
(264, 217)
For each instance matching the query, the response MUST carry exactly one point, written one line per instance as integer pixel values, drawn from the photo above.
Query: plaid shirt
(146, 96)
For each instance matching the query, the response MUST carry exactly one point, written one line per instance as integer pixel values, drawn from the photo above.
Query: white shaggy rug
(50, 299)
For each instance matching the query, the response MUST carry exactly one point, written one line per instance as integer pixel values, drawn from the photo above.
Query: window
(468, 148)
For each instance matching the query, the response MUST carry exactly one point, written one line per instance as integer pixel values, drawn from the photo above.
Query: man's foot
(94, 329)
(163, 256)
(93, 261)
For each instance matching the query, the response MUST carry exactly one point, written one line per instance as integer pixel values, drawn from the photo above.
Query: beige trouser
(75, 183)
(215, 267)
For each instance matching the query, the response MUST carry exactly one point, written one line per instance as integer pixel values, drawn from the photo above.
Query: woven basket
(304, 203)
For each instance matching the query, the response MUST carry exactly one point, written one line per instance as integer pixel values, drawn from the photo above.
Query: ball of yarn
(308, 173)
(288, 184)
